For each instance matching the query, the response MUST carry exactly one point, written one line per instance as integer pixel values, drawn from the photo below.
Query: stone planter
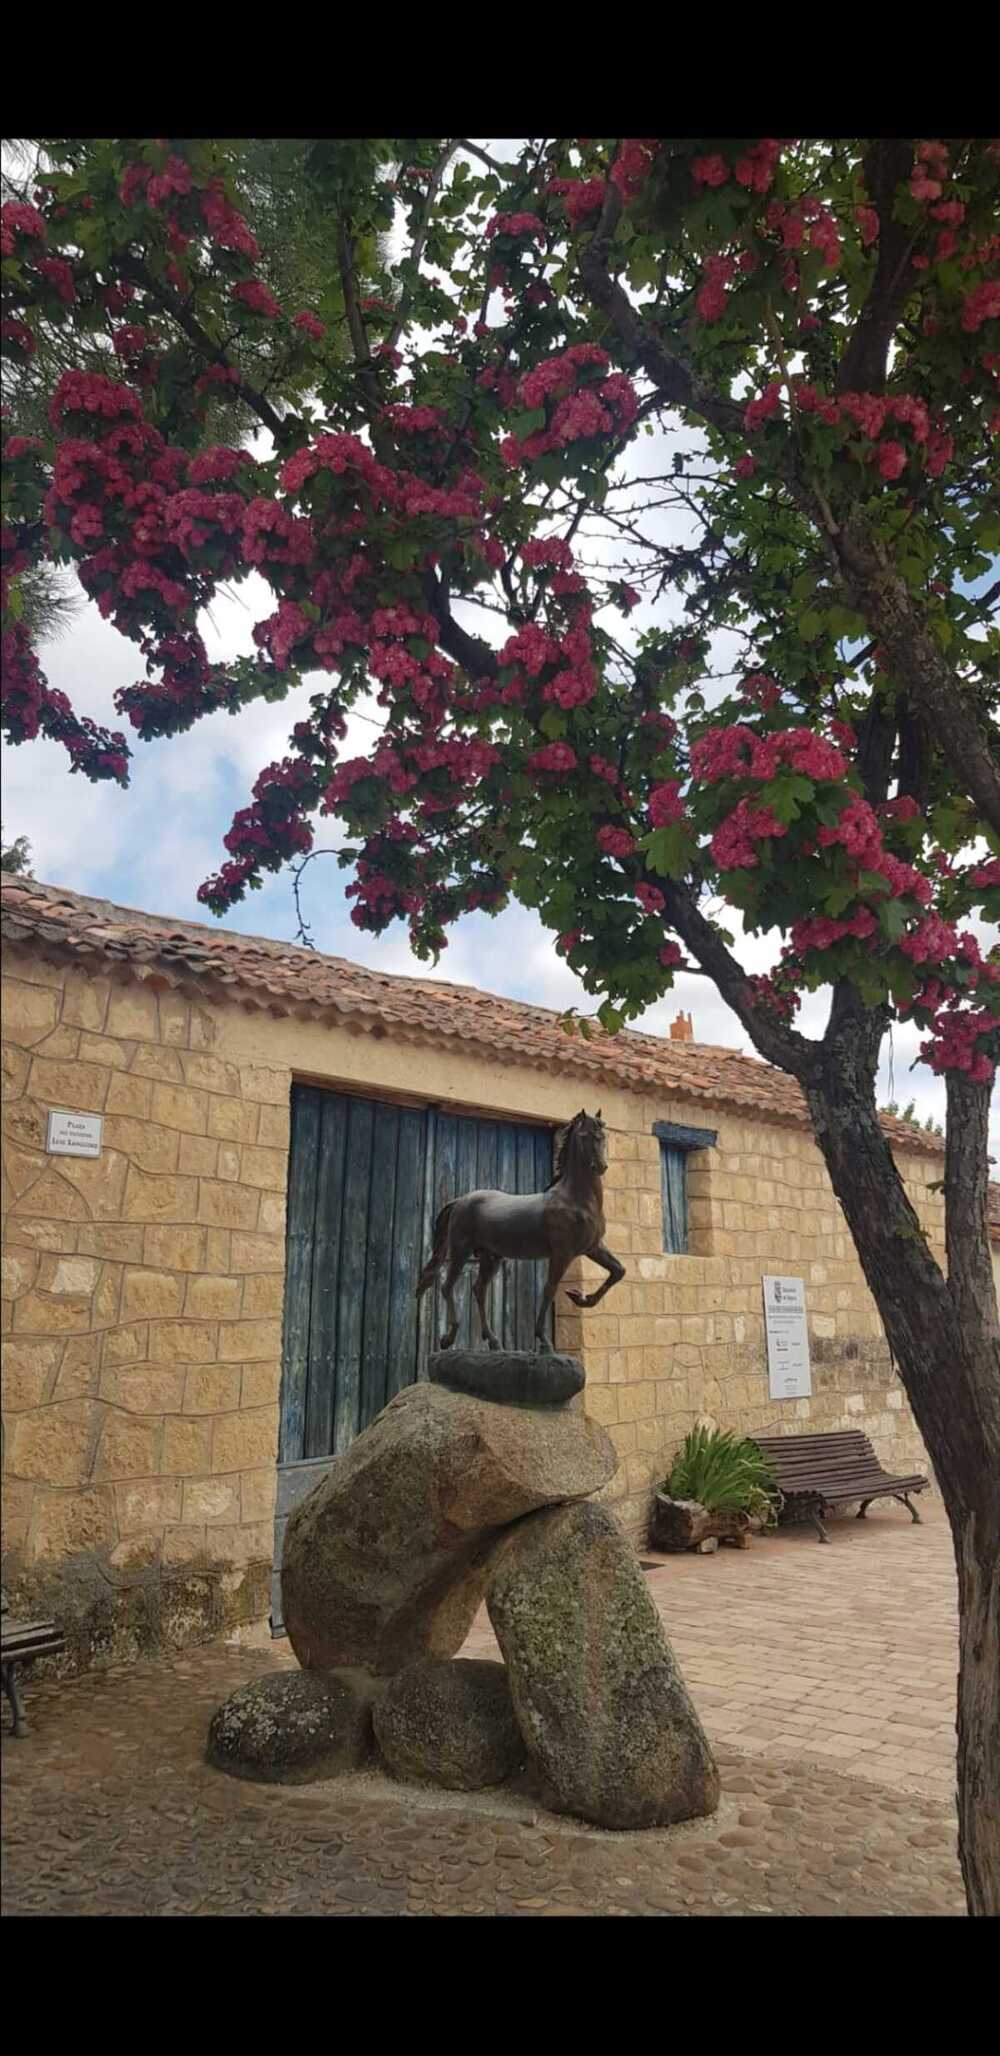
(678, 1524)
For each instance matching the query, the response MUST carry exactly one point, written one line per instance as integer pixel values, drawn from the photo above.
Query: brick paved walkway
(846, 1655)
(110, 1808)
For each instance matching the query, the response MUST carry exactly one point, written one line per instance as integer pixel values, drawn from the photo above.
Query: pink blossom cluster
(650, 898)
(615, 842)
(19, 218)
(718, 272)
(310, 324)
(85, 392)
(30, 708)
(515, 225)
(929, 171)
(582, 197)
(955, 1043)
(821, 931)
(736, 752)
(987, 874)
(547, 550)
(670, 955)
(605, 407)
(633, 164)
(226, 228)
(760, 690)
(755, 169)
(734, 844)
(868, 224)
(764, 406)
(554, 757)
(665, 804)
(774, 999)
(415, 420)
(983, 304)
(257, 297)
(273, 535)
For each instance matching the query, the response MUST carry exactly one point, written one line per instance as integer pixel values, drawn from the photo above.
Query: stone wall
(683, 1338)
(143, 1290)
(142, 1309)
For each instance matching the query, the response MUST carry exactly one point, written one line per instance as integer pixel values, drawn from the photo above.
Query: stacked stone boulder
(447, 1499)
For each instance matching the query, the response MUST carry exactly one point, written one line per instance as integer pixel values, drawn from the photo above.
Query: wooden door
(367, 1179)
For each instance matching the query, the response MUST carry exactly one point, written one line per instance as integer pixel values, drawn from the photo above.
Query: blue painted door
(367, 1179)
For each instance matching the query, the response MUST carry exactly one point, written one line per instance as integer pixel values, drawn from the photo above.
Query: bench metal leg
(10, 1687)
(818, 1525)
(905, 1500)
(862, 1510)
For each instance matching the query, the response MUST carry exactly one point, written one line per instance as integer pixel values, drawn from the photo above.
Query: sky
(151, 847)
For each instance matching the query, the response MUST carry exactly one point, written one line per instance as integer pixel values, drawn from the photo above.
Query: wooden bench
(23, 1642)
(814, 1473)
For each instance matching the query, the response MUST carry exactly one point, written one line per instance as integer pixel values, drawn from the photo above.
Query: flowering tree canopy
(445, 498)
(824, 314)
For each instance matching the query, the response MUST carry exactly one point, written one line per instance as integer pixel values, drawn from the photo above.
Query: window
(675, 1146)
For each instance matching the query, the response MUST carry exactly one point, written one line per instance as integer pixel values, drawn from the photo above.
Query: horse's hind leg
(456, 1265)
(488, 1268)
(557, 1267)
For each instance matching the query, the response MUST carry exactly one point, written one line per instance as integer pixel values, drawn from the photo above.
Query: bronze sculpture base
(510, 1377)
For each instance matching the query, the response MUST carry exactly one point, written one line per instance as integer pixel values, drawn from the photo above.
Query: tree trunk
(977, 1553)
(944, 1336)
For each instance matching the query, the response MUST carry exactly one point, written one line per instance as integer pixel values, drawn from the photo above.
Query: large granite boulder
(387, 1560)
(598, 1696)
(292, 1727)
(449, 1723)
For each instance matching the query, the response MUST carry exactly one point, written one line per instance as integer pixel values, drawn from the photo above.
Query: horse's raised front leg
(488, 1268)
(456, 1265)
(557, 1266)
(609, 1263)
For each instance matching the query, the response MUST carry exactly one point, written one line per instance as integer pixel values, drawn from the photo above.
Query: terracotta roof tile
(283, 978)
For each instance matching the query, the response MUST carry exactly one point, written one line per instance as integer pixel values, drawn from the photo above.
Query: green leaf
(669, 850)
(892, 918)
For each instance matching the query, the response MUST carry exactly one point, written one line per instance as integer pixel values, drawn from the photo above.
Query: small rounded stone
(293, 1727)
(450, 1722)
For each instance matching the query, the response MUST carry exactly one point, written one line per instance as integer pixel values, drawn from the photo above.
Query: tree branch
(865, 360)
(413, 261)
(203, 342)
(857, 556)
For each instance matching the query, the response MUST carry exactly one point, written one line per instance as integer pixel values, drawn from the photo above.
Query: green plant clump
(723, 1471)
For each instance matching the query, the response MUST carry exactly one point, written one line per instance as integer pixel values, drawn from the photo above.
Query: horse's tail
(438, 1249)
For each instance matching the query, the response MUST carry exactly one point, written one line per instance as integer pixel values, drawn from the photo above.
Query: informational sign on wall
(74, 1134)
(789, 1374)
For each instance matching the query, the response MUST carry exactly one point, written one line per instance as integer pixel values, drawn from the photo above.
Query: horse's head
(587, 1141)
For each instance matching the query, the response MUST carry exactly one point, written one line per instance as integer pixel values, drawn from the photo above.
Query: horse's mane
(559, 1160)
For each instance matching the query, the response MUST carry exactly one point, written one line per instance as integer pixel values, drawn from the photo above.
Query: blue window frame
(676, 1144)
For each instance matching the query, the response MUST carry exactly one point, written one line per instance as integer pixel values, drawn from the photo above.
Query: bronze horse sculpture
(565, 1221)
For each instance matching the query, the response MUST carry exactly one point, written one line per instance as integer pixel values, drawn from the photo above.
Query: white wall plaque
(789, 1375)
(74, 1134)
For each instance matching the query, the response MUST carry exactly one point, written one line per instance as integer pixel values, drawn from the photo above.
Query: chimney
(681, 1029)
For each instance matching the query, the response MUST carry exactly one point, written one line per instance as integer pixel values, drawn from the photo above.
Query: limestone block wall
(143, 1290)
(142, 1302)
(682, 1338)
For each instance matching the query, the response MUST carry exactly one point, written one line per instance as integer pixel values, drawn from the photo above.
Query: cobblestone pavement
(110, 1807)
